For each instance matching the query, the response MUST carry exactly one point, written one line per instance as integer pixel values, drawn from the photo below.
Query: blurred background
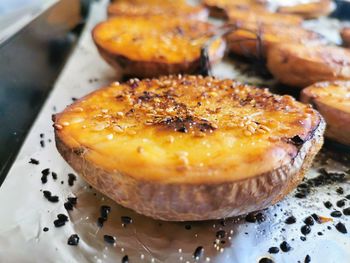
(14, 14)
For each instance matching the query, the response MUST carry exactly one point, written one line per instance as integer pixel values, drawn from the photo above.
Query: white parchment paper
(25, 212)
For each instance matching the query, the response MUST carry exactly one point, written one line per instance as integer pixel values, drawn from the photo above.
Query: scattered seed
(109, 239)
(198, 252)
(307, 259)
(274, 250)
(309, 221)
(285, 247)
(328, 204)
(73, 240)
(336, 213)
(45, 229)
(341, 228)
(305, 230)
(290, 220)
(33, 161)
(341, 203)
(265, 260)
(104, 211)
(346, 211)
(125, 259)
(71, 179)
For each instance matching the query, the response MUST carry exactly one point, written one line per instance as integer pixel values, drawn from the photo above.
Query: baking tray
(28, 233)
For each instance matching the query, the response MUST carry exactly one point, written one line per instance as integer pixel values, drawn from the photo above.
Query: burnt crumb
(59, 223)
(52, 198)
(54, 175)
(341, 228)
(274, 250)
(323, 179)
(188, 227)
(43, 179)
(305, 230)
(185, 124)
(62, 217)
(198, 252)
(125, 259)
(100, 221)
(45, 171)
(72, 200)
(302, 238)
(265, 260)
(68, 206)
(300, 195)
(220, 234)
(73, 240)
(297, 140)
(34, 161)
(290, 220)
(126, 220)
(71, 179)
(309, 221)
(328, 204)
(340, 190)
(104, 211)
(109, 239)
(336, 213)
(45, 229)
(255, 217)
(285, 247)
(340, 203)
(346, 211)
(42, 143)
(307, 259)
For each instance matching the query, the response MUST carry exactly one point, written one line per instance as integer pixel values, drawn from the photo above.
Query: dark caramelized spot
(189, 123)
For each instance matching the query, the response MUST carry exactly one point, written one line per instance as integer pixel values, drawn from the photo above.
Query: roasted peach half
(332, 100)
(155, 45)
(189, 148)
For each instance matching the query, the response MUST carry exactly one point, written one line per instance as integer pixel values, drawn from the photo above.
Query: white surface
(24, 210)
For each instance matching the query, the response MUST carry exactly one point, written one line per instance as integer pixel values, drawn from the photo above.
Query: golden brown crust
(261, 17)
(332, 100)
(252, 40)
(145, 8)
(309, 10)
(154, 46)
(300, 66)
(345, 35)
